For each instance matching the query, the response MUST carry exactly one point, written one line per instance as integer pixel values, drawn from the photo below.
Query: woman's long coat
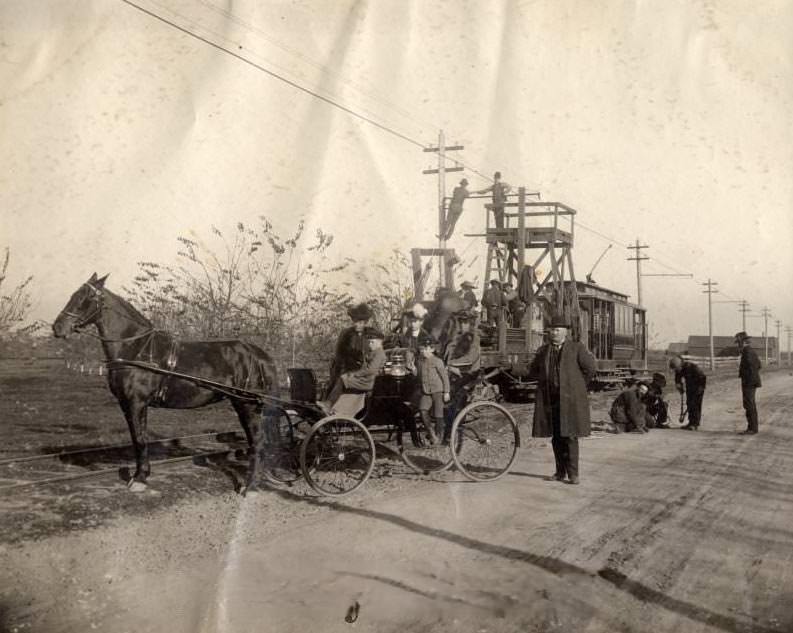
(576, 369)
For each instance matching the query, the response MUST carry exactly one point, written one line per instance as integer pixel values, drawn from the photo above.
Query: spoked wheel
(281, 451)
(337, 456)
(420, 455)
(487, 441)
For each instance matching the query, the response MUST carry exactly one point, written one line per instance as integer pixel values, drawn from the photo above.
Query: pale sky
(667, 121)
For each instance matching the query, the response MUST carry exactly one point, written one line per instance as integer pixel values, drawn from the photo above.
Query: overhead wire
(335, 103)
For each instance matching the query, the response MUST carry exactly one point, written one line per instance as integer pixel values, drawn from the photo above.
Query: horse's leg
(136, 415)
(249, 419)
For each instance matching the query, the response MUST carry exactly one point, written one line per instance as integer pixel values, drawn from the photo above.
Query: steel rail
(107, 471)
(94, 449)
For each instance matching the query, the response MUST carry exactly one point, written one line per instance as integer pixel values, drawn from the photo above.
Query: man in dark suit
(493, 302)
(694, 379)
(563, 368)
(749, 371)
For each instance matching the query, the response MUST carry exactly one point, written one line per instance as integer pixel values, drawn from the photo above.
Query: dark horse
(126, 335)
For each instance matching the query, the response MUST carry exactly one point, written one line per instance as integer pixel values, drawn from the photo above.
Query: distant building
(724, 346)
(677, 348)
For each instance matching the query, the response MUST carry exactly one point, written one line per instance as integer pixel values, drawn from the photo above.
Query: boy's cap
(373, 333)
(427, 340)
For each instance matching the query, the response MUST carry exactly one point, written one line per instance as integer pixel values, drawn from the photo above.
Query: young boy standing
(434, 381)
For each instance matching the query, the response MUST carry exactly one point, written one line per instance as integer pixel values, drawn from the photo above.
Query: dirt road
(672, 531)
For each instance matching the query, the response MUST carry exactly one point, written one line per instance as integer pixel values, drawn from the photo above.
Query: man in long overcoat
(562, 368)
(749, 371)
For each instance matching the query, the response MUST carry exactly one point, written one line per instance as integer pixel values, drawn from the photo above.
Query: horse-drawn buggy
(289, 437)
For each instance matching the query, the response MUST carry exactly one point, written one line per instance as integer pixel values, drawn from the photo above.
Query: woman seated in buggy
(348, 394)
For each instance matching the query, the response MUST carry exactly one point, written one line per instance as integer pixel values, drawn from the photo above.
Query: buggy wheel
(487, 441)
(419, 454)
(337, 456)
(280, 456)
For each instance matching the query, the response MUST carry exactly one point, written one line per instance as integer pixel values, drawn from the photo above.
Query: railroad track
(56, 478)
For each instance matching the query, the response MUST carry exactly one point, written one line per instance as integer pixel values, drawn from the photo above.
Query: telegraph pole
(743, 309)
(789, 331)
(710, 292)
(442, 148)
(765, 313)
(638, 259)
(778, 344)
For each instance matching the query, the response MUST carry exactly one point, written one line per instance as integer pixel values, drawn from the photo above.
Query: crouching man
(628, 411)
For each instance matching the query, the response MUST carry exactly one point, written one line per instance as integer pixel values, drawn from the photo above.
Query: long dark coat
(350, 353)
(576, 368)
(749, 370)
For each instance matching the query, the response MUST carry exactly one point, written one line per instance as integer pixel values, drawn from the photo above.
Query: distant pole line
(710, 292)
(638, 259)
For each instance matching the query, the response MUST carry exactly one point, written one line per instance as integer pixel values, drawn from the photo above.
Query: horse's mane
(126, 306)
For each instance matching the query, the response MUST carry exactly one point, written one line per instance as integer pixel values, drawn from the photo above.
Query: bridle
(83, 321)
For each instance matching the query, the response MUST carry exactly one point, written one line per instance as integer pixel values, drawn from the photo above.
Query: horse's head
(83, 308)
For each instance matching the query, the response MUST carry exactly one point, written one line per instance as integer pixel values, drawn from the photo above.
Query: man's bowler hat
(559, 320)
(467, 284)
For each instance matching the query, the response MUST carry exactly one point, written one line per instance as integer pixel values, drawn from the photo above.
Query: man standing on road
(562, 368)
(749, 371)
(694, 379)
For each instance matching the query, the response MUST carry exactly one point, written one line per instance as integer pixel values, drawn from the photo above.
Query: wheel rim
(487, 441)
(337, 456)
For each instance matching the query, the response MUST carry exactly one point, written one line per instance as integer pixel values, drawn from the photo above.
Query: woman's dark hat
(361, 312)
(742, 336)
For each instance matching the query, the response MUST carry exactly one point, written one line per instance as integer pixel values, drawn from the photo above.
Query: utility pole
(765, 313)
(710, 292)
(778, 344)
(638, 259)
(789, 331)
(743, 309)
(441, 171)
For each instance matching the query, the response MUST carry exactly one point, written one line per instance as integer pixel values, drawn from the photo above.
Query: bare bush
(15, 304)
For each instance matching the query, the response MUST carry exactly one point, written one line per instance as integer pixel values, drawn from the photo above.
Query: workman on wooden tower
(459, 194)
(749, 371)
(499, 191)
